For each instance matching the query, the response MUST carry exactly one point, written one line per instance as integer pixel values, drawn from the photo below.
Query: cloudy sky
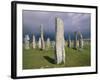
(72, 22)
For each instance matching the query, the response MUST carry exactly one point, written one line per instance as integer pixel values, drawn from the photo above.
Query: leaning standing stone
(59, 46)
(42, 38)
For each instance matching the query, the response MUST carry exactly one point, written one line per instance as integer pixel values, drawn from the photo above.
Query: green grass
(36, 58)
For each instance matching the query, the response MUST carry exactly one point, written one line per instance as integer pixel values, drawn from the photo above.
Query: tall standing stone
(39, 43)
(42, 38)
(75, 40)
(34, 43)
(26, 42)
(59, 45)
(48, 43)
(80, 40)
(69, 41)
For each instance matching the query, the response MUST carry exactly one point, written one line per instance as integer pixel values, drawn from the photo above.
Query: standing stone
(75, 40)
(39, 43)
(69, 41)
(26, 42)
(53, 44)
(59, 45)
(42, 38)
(34, 43)
(63, 48)
(80, 40)
(48, 43)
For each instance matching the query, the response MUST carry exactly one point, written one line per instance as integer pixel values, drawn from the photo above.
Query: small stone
(26, 42)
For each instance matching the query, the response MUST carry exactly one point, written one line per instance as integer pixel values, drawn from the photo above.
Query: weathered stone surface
(39, 43)
(80, 40)
(34, 43)
(48, 43)
(42, 38)
(59, 45)
(53, 44)
(26, 42)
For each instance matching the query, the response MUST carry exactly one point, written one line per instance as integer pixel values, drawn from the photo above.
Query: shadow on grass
(49, 59)
(74, 48)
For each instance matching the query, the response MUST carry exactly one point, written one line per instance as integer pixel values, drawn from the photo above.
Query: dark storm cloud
(72, 22)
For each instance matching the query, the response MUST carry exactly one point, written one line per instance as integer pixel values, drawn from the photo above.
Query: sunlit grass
(36, 58)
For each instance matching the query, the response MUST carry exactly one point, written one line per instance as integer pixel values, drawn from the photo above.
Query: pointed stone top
(58, 18)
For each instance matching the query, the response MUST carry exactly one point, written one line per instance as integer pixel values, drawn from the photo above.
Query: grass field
(36, 58)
